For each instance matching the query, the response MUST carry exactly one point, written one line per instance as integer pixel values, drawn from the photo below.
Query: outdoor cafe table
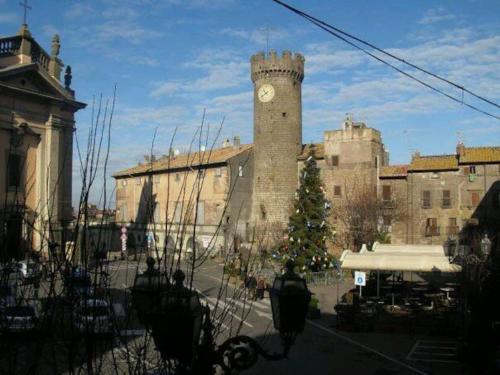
(434, 295)
(447, 290)
(419, 289)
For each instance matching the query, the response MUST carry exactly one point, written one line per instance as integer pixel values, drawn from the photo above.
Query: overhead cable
(336, 32)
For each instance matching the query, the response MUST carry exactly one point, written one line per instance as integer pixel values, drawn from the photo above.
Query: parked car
(29, 270)
(19, 318)
(78, 283)
(93, 316)
(6, 297)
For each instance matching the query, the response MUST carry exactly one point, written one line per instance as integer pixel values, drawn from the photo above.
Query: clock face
(265, 93)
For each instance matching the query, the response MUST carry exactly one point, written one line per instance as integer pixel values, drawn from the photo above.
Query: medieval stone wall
(277, 135)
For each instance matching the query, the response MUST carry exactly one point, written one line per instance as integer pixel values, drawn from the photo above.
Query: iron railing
(328, 277)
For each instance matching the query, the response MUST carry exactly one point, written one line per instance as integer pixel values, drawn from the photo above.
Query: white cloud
(217, 73)
(79, 10)
(165, 88)
(260, 36)
(435, 15)
(324, 62)
(144, 60)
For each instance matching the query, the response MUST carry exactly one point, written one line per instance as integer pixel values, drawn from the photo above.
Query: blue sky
(173, 58)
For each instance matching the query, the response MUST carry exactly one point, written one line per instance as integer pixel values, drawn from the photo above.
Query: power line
(335, 32)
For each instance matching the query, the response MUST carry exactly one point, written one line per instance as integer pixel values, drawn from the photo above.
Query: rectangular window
(240, 171)
(137, 180)
(431, 228)
(177, 177)
(218, 172)
(156, 178)
(452, 226)
(124, 182)
(386, 193)
(124, 213)
(426, 199)
(386, 220)
(200, 212)
(335, 160)
(431, 222)
(177, 212)
(14, 171)
(475, 198)
(472, 169)
(337, 191)
(446, 199)
(157, 212)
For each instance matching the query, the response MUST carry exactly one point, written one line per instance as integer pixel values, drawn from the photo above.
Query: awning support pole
(378, 283)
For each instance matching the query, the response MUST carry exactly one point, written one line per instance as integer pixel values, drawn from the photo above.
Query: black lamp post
(147, 290)
(289, 302)
(178, 321)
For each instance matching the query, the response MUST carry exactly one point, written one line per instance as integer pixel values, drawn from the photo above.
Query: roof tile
(195, 159)
(480, 155)
(394, 171)
(433, 163)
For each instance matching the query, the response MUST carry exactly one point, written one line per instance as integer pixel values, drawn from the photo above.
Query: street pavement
(320, 349)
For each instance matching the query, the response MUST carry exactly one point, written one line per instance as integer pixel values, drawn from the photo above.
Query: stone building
(257, 182)
(453, 196)
(159, 201)
(36, 145)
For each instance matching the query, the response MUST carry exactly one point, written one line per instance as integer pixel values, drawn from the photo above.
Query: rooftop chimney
(226, 143)
(236, 141)
(460, 149)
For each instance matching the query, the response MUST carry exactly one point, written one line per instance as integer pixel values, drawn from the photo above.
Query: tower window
(283, 114)
(337, 191)
(240, 171)
(335, 160)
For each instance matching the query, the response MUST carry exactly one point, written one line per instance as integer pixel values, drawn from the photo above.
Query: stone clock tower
(277, 135)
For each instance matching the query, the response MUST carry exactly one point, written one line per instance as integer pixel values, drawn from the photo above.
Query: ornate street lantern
(289, 301)
(176, 325)
(147, 290)
(176, 319)
(485, 246)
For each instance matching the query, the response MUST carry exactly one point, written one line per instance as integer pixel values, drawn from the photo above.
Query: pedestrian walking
(252, 285)
(261, 287)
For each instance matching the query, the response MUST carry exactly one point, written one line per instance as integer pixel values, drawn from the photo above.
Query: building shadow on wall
(144, 218)
(484, 220)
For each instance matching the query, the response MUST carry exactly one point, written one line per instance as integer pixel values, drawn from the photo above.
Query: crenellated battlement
(272, 65)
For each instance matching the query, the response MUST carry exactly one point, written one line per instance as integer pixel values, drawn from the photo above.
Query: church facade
(243, 194)
(37, 110)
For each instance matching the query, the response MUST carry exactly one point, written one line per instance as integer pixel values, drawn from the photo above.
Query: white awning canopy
(411, 261)
(409, 249)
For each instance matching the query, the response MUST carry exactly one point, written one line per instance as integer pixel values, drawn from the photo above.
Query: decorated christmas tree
(308, 229)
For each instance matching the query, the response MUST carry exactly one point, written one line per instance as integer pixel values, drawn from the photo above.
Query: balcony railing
(39, 56)
(426, 203)
(10, 46)
(432, 231)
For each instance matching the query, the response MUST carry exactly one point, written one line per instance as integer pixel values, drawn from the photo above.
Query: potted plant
(314, 312)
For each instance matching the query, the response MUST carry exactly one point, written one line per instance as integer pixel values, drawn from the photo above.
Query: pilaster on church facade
(36, 145)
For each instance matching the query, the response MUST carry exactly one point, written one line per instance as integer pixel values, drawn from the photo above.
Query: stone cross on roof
(26, 7)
